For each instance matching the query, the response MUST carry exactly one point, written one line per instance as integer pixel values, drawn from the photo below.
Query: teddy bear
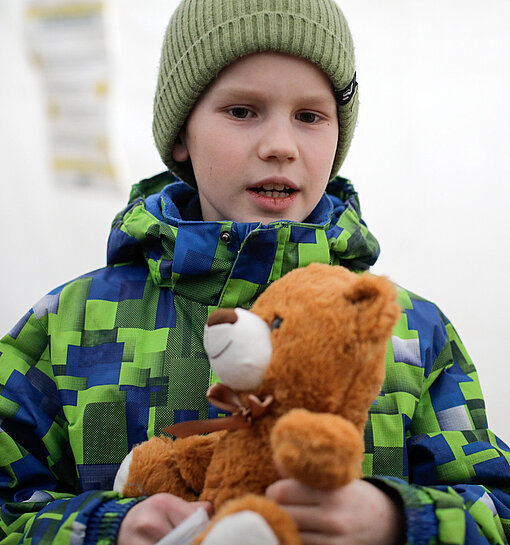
(299, 372)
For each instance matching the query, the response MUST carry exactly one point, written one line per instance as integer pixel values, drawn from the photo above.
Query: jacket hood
(198, 258)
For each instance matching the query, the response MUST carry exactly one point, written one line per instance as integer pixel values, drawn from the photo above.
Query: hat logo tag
(343, 96)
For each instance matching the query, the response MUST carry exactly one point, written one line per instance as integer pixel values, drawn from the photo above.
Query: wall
(429, 159)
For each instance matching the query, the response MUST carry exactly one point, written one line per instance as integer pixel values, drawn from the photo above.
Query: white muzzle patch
(239, 352)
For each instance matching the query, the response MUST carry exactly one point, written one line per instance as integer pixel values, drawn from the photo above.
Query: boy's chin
(256, 214)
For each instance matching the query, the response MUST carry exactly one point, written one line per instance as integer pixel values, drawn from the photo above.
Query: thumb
(180, 509)
(207, 505)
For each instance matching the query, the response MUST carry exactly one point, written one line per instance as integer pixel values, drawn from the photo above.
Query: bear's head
(315, 339)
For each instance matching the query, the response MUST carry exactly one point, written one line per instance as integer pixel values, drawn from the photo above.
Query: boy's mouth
(274, 191)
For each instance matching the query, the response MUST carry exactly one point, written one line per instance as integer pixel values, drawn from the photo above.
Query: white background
(429, 159)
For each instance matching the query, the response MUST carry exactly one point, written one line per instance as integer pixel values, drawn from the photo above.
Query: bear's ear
(363, 290)
(374, 298)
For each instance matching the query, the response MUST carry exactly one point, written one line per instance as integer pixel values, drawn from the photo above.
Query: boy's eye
(239, 112)
(307, 117)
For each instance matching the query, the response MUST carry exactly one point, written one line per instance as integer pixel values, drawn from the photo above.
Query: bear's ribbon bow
(225, 398)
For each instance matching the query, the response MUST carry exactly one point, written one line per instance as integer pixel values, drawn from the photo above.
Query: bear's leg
(251, 520)
(162, 465)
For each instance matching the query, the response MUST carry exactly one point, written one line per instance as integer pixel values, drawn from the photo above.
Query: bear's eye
(277, 322)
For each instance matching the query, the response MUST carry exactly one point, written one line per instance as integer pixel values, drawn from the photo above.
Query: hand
(356, 513)
(152, 519)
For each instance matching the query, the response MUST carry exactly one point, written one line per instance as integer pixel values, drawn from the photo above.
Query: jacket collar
(228, 263)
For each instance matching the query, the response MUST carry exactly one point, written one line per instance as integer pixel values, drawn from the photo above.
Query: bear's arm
(327, 456)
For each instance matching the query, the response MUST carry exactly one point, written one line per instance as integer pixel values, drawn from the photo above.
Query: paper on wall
(67, 40)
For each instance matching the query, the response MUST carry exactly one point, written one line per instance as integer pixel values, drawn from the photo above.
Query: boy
(255, 107)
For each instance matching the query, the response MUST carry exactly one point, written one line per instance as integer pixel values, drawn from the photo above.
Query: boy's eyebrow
(247, 93)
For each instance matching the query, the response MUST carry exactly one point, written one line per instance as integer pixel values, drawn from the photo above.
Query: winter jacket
(109, 359)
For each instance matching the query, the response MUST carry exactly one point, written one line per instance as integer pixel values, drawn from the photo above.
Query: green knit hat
(204, 36)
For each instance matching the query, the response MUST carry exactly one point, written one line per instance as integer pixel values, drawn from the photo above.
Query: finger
(292, 492)
(318, 520)
(308, 518)
(313, 538)
(144, 524)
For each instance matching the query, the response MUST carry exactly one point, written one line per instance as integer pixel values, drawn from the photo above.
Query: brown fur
(334, 438)
(327, 368)
(172, 473)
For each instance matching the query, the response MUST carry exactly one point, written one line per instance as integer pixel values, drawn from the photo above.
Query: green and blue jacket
(111, 358)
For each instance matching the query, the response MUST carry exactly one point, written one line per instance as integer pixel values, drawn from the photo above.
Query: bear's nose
(222, 316)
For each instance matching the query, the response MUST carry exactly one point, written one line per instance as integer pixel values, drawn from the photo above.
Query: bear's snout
(238, 344)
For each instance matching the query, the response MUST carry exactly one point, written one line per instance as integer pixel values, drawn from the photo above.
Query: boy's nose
(278, 143)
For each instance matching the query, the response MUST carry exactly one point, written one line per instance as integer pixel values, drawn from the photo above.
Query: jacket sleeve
(459, 473)
(40, 497)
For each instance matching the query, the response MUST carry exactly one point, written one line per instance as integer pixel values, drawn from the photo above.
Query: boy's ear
(180, 152)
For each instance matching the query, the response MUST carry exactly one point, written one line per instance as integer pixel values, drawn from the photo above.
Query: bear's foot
(245, 527)
(250, 520)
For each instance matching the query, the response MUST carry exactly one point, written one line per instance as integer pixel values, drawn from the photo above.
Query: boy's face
(262, 140)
